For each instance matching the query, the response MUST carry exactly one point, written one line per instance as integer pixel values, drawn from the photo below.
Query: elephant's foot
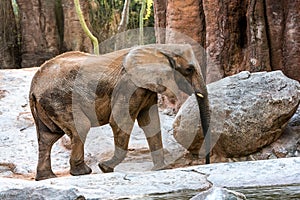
(160, 166)
(105, 168)
(42, 175)
(80, 169)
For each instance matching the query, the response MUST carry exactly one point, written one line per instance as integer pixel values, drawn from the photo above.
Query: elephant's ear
(151, 68)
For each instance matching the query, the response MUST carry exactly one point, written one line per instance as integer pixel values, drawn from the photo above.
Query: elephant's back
(55, 71)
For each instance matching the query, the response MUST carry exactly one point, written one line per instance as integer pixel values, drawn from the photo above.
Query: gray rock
(106, 186)
(249, 111)
(216, 193)
(295, 120)
(40, 193)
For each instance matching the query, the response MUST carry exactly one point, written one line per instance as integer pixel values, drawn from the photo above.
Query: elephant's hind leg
(78, 132)
(121, 140)
(148, 120)
(46, 139)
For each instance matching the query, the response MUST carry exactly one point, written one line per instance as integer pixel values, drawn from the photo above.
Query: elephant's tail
(32, 103)
(44, 119)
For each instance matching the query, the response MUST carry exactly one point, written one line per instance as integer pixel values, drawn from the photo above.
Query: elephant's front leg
(148, 120)
(121, 140)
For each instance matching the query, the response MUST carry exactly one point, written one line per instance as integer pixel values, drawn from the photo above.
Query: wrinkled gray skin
(76, 91)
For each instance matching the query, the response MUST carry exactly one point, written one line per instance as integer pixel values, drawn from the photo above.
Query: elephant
(75, 91)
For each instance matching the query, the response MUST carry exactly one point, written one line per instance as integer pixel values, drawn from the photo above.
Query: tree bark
(160, 17)
(291, 45)
(283, 21)
(257, 56)
(180, 27)
(9, 48)
(74, 37)
(124, 18)
(40, 38)
(226, 37)
(275, 22)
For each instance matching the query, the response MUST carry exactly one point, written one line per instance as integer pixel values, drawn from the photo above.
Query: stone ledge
(132, 185)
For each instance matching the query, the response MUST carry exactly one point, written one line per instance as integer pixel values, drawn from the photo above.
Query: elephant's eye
(190, 69)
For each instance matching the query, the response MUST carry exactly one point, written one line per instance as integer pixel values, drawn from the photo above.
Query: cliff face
(238, 35)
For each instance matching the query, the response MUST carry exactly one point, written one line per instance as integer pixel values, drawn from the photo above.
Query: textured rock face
(249, 111)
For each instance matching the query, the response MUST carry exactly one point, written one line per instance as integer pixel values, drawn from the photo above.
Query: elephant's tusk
(200, 95)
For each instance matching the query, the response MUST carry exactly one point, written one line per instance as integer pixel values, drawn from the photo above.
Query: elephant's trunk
(203, 104)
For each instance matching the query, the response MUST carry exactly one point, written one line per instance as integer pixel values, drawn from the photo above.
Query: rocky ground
(18, 150)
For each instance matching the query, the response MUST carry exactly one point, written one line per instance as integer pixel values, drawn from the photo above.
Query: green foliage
(105, 16)
(85, 28)
(15, 7)
(148, 9)
(17, 20)
(141, 22)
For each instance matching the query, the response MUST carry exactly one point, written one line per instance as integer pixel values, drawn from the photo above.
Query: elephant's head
(169, 68)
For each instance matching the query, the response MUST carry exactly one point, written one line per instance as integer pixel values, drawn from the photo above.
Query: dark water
(268, 193)
(284, 192)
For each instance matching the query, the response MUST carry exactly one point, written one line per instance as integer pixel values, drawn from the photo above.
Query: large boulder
(248, 112)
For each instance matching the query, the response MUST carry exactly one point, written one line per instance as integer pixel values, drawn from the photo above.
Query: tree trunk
(74, 36)
(291, 36)
(226, 37)
(160, 10)
(283, 21)
(9, 49)
(257, 56)
(275, 22)
(253, 35)
(40, 38)
(124, 18)
(180, 27)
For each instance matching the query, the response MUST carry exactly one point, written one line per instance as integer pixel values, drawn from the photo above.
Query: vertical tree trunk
(124, 18)
(226, 37)
(291, 45)
(180, 26)
(275, 22)
(283, 21)
(40, 38)
(257, 57)
(121, 35)
(214, 41)
(160, 10)
(9, 49)
(74, 36)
